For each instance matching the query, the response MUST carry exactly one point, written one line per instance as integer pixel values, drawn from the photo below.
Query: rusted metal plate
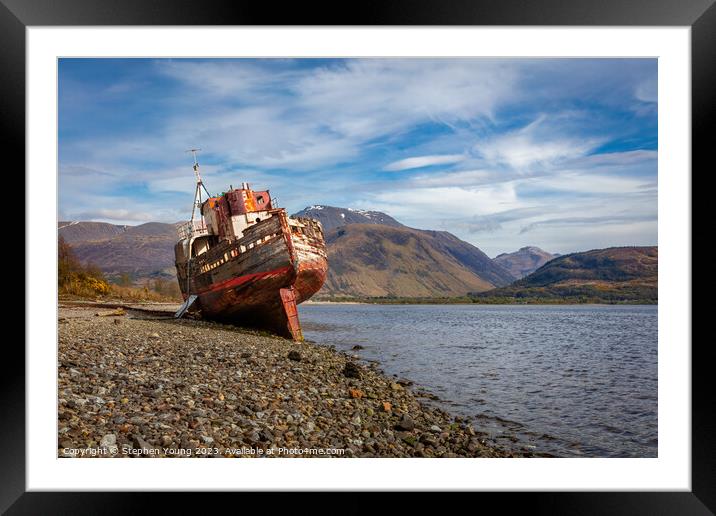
(289, 307)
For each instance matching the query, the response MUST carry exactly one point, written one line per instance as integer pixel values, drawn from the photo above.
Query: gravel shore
(131, 385)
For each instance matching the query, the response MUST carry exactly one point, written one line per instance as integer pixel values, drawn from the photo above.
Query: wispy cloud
(539, 144)
(646, 91)
(423, 161)
(592, 221)
(114, 215)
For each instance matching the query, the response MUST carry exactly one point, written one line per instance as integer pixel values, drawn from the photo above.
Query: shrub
(76, 279)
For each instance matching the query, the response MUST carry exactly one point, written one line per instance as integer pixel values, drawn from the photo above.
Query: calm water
(574, 381)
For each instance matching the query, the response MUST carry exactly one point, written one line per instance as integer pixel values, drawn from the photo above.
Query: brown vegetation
(87, 281)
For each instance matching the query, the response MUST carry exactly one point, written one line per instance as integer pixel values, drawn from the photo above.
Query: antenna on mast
(199, 186)
(196, 163)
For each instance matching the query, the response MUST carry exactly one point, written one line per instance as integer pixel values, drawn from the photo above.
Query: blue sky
(557, 153)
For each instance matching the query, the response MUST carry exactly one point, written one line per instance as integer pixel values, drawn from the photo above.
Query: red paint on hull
(235, 282)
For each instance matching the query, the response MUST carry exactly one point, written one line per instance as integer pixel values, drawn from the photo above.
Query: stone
(435, 429)
(396, 386)
(154, 336)
(139, 442)
(357, 347)
(117, 321)
(407, 438)
(405, 423)
(294, 355)
(108, 441)
(428, 440)
(351, 371)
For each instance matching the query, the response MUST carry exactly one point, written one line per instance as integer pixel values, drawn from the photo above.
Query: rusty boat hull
(259, 279)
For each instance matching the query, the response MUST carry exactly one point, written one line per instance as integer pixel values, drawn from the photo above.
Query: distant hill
(331, 217)
(143, 251)
(74, 231)
(525, 261)
(370, 254)
(373, 260)
(616, 274)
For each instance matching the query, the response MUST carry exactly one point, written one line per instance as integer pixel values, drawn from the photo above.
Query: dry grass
(141, 294)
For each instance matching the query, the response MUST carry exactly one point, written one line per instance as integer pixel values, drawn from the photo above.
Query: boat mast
(199, 185)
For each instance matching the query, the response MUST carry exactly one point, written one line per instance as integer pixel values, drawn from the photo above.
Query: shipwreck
(241, 260)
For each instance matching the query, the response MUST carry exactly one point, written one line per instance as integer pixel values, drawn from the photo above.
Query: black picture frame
(16, 15)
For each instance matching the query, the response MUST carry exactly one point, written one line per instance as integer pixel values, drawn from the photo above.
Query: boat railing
(193, 228)
(254, 236)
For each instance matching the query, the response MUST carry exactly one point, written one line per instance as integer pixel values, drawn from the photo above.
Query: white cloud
(431, 203)
(323, 116)
(459, 178)
(103, 214)
(423, 161)
(589, 183)
(614, 159)
(647, 91)
(564, 226)
(227, 78)
(536, 145)
(373, 97)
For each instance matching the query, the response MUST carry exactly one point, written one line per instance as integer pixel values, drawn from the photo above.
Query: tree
(67, 263)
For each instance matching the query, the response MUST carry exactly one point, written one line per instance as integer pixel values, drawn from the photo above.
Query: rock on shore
(168, 388)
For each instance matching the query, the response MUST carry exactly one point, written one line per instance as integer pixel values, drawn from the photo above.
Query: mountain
(373, 260)
(525, 261)
(616, 274)
(75, 231)
(146, 250)
(331, 217)
(370, 254)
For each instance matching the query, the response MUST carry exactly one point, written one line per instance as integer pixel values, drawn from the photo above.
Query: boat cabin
(228, 215)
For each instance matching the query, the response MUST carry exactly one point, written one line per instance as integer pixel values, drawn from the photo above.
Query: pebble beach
(138, 385)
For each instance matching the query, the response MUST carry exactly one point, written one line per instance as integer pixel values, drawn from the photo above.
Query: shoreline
(469, 303)
(143, 385)
(171, 306)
